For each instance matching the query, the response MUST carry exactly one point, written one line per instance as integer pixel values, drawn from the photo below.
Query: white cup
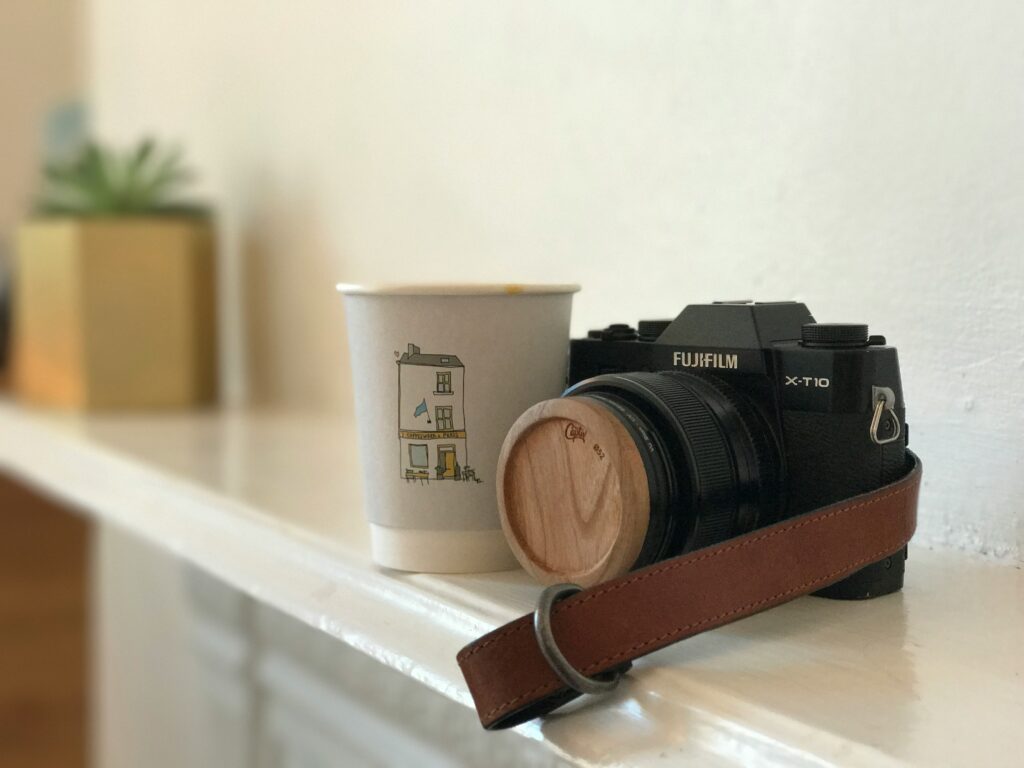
(440, 374)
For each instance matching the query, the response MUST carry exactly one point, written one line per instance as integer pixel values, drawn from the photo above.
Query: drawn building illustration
(431, 417)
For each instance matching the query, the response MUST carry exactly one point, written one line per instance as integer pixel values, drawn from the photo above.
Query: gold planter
(115, 313)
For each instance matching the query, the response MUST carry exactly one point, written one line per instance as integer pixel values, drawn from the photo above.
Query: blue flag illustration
(420, 409)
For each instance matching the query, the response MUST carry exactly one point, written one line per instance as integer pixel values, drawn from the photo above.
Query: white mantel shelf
(271, 504)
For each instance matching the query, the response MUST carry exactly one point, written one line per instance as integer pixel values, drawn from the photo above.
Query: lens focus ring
(718, 469)
(712, 474)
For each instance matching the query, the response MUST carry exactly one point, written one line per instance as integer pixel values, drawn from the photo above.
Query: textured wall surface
(867, 158)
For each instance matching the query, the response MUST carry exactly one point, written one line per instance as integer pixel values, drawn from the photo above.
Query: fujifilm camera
(749, 413)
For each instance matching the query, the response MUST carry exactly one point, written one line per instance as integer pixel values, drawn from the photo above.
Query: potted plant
(114, 293)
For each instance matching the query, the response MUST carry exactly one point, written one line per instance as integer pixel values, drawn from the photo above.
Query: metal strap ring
(549, 648)
(882, 406)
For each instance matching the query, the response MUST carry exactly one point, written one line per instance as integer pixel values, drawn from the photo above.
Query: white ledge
(271, 504)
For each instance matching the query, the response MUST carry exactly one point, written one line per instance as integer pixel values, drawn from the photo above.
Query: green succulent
(100, 181)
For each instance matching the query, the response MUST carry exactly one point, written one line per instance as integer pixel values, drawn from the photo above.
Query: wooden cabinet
(44, 628)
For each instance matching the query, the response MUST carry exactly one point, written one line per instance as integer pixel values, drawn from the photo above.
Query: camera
(679, 434)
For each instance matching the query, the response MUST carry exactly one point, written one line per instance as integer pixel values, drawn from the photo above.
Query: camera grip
(830, 456)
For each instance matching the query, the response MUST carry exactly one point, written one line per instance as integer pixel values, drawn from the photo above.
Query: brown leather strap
(607, 626)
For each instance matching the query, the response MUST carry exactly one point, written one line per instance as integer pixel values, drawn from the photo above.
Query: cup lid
(455, 289)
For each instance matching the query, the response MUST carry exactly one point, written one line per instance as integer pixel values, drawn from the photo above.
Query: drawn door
(446, 460)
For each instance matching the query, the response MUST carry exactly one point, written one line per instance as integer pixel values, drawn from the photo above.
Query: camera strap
(601, 630)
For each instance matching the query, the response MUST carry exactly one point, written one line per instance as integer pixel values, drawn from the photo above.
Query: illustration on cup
(432, 418)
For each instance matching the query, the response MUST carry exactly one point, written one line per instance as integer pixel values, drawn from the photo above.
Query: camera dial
(834, 335)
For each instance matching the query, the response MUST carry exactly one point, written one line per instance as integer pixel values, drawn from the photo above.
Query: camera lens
(628, 469)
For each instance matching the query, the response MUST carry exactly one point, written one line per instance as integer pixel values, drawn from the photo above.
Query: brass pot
(115, 312)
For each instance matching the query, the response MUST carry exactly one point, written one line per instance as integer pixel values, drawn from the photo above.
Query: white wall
(865, 157)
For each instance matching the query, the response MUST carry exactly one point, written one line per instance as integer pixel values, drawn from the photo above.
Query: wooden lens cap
(572, 492)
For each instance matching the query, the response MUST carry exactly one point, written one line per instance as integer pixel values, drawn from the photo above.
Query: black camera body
(816, 410)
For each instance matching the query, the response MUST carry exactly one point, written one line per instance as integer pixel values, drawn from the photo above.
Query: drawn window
(418, 455)
(444, 383)
(443, 414)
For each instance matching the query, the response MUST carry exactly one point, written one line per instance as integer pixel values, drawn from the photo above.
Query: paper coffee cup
(440, 374)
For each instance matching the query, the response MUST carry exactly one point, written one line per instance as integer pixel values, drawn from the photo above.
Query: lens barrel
(713, 467)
